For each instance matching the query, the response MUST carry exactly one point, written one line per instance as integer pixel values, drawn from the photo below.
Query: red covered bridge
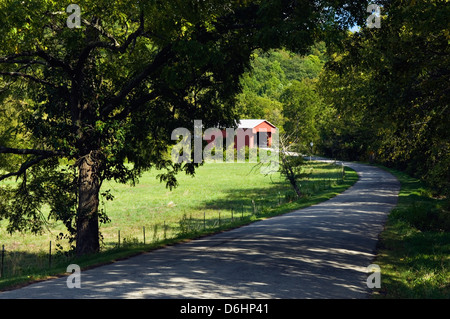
(261, 130)
(251, 133)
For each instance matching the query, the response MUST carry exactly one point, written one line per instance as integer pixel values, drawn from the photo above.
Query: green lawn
(220, 196)
(414, 250)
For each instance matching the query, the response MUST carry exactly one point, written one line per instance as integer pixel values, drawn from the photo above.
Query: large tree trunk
(87, 237)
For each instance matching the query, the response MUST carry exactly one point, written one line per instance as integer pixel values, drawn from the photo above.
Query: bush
(424, 217)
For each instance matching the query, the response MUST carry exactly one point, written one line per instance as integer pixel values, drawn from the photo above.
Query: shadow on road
(318, 252)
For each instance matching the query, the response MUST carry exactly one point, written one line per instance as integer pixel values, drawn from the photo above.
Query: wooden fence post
(143, 230)
(50, 255)
(3, 258)
(164, 231)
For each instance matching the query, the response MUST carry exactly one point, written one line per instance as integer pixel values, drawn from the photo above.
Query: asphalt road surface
(318, 252)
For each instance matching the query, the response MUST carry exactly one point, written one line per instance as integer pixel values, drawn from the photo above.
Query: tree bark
(294, 184)
(290, 174)
(87, 237)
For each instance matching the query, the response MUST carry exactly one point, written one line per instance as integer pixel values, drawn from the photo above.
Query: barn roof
(251, 123)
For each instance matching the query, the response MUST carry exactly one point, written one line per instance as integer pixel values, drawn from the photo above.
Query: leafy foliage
(105, 97)
(389, 87)
(281, 87)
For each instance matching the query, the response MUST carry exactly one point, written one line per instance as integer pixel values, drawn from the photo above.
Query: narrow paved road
(317, 252)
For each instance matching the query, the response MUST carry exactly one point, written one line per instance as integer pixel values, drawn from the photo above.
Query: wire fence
(20, 263)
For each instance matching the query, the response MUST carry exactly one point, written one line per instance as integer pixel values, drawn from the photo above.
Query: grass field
(220, 196)
(414, 249)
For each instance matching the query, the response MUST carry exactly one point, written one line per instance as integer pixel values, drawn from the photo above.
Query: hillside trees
(281, 87)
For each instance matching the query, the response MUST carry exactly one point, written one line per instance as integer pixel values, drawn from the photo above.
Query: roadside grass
(414, 249)
(221, 196)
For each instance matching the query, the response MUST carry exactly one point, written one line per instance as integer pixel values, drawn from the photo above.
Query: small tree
(291, 161)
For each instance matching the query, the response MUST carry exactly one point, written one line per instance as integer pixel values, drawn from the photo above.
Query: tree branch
(97, 27)
(41, 155)
(135, 105)
(26, 62)
(52, 61)
(8, 150)
(30, 77)
(115, 46)
(162, 57)
(25, 166)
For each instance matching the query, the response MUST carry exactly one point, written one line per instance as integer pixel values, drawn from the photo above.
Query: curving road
(318, 252)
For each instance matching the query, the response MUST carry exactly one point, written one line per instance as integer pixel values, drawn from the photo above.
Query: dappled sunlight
(317, 252)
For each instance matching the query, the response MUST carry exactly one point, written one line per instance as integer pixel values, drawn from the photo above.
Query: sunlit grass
(218, 197)
(414, 250)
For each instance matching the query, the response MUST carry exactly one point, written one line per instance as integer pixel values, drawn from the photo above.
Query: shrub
(424, 217)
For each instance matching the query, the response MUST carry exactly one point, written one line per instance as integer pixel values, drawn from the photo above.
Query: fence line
(186, 226)
(2, 260)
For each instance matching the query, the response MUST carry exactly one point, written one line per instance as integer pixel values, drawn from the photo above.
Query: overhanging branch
(30, 77)
(163, 56)
(103, 32)
(51, 60)
(41, 155)
(135, 105)
(112, 45)
(20, 151)
(25, 166)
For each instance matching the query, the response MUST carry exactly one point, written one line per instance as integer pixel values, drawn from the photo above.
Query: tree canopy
(389, 88)
(103, 98)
